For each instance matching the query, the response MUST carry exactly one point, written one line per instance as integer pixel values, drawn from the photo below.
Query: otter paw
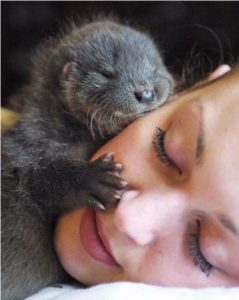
(105, 185)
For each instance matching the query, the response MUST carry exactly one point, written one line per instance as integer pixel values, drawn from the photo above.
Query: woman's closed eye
(158, 142)
(195, 251)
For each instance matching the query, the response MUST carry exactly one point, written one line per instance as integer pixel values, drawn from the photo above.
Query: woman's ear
(218, 72)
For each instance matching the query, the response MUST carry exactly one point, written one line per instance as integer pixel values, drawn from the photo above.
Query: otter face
(116, 76)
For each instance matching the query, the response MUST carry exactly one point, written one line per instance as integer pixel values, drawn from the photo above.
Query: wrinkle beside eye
(183, 135)
(221, 247)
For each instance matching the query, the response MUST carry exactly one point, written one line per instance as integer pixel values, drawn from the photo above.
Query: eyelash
(195, 252)
(158, 142)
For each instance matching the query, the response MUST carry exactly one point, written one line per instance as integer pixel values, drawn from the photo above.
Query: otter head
(116, 74)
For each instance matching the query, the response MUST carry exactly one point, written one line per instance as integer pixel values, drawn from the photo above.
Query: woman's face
(178, 222)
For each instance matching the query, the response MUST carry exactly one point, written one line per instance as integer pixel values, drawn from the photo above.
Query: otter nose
(145, 96)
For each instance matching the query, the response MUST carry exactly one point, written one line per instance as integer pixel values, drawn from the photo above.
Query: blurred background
(203, 34)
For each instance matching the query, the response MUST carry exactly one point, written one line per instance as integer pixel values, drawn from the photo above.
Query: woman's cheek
(116, 145)
(132, 138)
(133, 148)
(125, 145)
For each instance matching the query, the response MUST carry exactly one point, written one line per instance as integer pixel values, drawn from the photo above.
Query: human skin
(148, 232)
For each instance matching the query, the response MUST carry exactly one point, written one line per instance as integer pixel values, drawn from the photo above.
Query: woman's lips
(94, 241)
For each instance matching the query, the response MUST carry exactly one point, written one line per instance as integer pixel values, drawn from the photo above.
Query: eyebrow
(200, 145)
(227, 222)
(223, 219)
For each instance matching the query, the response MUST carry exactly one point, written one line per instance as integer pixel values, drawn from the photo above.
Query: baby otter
(85, 87)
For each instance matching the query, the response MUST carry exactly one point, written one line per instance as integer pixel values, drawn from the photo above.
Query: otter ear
(218, 72)
(69, 69)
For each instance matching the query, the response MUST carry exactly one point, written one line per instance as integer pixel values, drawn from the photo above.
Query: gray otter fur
(85, 87)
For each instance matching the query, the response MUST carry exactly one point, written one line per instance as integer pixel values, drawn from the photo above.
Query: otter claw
(118, 167)
(98, 205)
(108, 157)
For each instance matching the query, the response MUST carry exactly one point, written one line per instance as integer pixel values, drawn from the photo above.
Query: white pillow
(134, 291)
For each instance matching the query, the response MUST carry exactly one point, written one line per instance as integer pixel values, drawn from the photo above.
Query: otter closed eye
(107, 74)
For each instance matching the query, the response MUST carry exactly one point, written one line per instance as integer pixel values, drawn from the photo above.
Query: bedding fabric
(133, 291)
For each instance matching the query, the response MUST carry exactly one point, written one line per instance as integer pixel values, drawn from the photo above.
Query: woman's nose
(144, 217)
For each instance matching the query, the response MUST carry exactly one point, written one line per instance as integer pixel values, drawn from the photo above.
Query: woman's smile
(93, 239)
